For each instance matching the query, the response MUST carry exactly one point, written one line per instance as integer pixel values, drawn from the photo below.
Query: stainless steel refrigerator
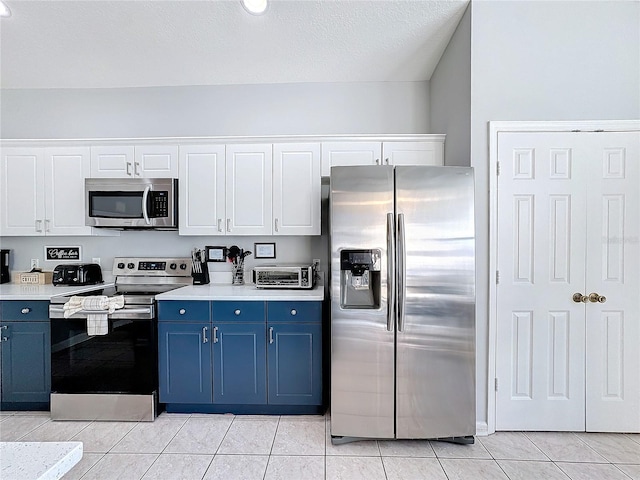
(402, 303)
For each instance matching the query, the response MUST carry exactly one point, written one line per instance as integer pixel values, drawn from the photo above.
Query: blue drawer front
(188, 311)
(294, 311)
(238, 312)
(18, 310)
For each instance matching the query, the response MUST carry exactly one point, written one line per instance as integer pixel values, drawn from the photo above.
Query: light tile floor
(227, 447)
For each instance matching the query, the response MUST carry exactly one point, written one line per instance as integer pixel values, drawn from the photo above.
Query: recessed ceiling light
(4, 10)
(254, 7)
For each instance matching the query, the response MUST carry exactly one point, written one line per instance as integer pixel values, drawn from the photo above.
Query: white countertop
(242, 292)
(16, 291)
(38, 460)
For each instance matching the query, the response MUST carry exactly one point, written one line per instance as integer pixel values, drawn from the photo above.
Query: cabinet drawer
(191, 311)
(294, 311)
(17, 310)
(238, 312)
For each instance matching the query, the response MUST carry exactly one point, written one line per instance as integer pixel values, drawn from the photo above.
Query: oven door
(130, 203)
(124, 361)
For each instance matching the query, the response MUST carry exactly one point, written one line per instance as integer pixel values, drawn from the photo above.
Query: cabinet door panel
(184, 310)
(349, 153)
(202, 190)
(65, 171)
(231, 311)
(413, 153)
(296, 189)
(295, 364)
(249, 189)
(26, 362)
(156, 161)
(240, 364)
(22, 190)
(294, 312)
(112, 162)
(184, 362)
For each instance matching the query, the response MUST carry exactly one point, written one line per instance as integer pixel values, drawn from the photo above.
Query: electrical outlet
(316, 262)
(35, 263)
(95, 260)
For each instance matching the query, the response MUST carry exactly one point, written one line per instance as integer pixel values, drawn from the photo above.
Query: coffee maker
(5, 275)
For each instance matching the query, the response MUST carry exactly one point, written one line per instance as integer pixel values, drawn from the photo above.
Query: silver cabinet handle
(237, 311)
(3, 327)
(294, 311)
(38, 225)
(182, 311)
(386, 161)
(4, 339)
(135, 169)
(402, 270)
(204, 335)
(270, 334)
(377, 161)
(215, 334)
(46, 225)
(228, 224)
(276, 224)
(129, 168)
(25, 310)
(219, 224)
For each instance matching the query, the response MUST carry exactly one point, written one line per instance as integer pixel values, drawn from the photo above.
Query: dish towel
(97, 307)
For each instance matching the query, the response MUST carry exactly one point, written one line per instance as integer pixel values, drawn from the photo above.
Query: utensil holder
(237, 273)
(201, 277)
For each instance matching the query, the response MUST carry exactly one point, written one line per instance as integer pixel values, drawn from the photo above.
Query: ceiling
(106, 44)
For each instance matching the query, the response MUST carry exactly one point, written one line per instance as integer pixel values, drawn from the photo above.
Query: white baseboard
(482, 429)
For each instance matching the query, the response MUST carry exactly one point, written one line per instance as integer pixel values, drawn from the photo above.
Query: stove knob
(183, 266)
(121, 265)
(173, 266)
(130, 265)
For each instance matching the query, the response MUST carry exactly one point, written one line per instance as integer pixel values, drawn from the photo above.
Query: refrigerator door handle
(391, 278)
(402, 270)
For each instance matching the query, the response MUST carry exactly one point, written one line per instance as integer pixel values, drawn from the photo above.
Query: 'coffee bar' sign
(62, 254)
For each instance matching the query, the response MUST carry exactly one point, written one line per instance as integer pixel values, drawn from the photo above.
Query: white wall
(450, 94)
(277, 109)
(544, 60)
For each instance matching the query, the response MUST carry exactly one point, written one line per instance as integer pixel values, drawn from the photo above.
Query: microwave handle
(145, 213)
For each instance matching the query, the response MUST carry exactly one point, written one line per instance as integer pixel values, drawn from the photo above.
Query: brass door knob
(578, 297)
(595, 298)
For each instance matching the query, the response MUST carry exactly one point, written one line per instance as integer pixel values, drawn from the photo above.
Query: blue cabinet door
(26, 361)
(184, 362)
(295, 363)
(239, 363)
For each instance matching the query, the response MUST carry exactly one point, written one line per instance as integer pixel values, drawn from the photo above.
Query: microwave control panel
(160, 204)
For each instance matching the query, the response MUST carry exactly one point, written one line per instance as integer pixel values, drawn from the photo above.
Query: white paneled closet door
(567, 220)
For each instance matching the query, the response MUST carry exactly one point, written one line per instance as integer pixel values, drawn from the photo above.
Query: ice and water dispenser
(360, 278)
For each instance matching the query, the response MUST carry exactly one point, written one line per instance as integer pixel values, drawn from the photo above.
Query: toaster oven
(284, 276)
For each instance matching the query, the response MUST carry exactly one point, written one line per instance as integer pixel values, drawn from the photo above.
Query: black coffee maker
(5, 275)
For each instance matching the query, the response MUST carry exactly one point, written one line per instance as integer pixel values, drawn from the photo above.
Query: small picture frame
(216, 254)
(264, 250)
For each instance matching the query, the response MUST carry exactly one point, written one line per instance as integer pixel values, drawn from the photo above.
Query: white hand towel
(97, 324)
(97, 321)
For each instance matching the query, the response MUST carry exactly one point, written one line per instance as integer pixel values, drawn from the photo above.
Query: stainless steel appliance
(5, 274)
(113, 376)
(77, 274)
(132, 203)
(402, 303)
(284, 276)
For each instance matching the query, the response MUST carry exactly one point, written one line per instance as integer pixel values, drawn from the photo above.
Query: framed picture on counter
(264, 250)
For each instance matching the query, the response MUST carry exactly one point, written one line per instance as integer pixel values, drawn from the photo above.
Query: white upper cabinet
(341, 154)
(43, 191)
(201, 188)
(248, 189)
(296, 189)
(413, 153)
(422, 152)
(142, 161)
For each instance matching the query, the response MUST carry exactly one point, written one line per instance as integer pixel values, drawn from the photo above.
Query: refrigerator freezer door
(435, 361)
(362, 347)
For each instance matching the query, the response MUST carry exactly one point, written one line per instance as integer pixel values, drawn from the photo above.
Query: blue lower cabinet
(240, 372)
(184, 361)
(295, 363)
(26, 361)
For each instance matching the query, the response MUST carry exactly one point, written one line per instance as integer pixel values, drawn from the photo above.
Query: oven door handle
(143, 310)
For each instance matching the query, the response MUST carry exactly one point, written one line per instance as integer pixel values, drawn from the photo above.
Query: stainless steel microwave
(134, 203)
